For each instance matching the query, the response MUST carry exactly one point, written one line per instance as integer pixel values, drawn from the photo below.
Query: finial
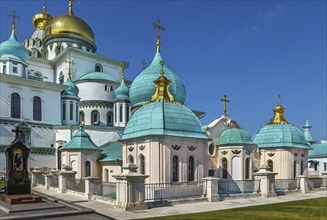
(143, 62)
(70, 11)
(278, 114)
(159, 28)
(225, 100)
(70, 63)
(14, 18)
(44, 7)
(162, 63)
(162, 87)
(122, 73)
(81, 127)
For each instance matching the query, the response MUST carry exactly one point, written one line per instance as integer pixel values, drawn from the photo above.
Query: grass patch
(304, 209)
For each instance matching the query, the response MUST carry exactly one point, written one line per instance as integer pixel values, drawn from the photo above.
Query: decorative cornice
(95, 104)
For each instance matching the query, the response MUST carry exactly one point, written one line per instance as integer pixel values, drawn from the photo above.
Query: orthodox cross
(13, 17)
(70, 63)
(278, 103)
(225, 100)
(143, 62)
(122, 72)
(17, 132)
(159, 28)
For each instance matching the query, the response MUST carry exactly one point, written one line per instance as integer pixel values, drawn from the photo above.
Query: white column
(124, 114)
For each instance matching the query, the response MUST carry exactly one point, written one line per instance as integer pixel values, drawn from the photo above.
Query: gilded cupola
(278, 114)
(42, 19)
(71, 29)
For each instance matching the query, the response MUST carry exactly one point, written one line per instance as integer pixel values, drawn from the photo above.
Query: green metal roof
(111, 151)
(80, 141)
(234, 136)
(97, 76)
(13, 49)
(318, 150)
(164, 118)
(72, 89)
(122, 92)
(280, 135)
(143, 87)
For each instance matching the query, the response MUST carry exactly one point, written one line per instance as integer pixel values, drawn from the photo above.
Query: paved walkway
(185, 208)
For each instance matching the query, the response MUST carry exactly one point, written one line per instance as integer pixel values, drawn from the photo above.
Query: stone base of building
(21, 199)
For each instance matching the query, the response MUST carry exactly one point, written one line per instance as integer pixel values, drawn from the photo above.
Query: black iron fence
(231, 187)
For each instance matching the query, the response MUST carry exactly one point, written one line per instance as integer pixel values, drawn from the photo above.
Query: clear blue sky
(249, 50)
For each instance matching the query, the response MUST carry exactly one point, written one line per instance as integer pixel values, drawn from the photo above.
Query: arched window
(130, 159)
(81, 117)
(64, 110)
(236, 168)
(15, 105)
(87, 168)
(294, 169)
(95, 117)
(142, 164)
(302, 168)
(59, 158)
(37, 108)
(57, 50)
(98, 67)
(106, 175)
(270, 165)
(175, 169)
(247, 168)
(109, 118)
(191, 168)
(224, 166)
(106, 88)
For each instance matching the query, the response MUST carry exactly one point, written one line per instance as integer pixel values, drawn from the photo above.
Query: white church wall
(42, 66)
(50, 102)
(96, 91)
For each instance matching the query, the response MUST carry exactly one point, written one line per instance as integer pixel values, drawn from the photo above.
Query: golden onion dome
(42, 19)
(70, 24)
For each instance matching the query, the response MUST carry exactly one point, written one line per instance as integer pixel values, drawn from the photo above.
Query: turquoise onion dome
(280, 133)
(163, 118)
(318, 150)
(122, 92)
(80, 141)
(72, 88)
(234, 136)
(143, 87)
(13, 49)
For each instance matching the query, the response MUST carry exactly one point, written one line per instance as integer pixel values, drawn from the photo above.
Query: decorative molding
(295, 154)
(191, 148)
(176, 147)
(130, 148)
(236, 151)
(224, 152)
(95, 104)
(247, 152)
(271, 154)
(142, 147)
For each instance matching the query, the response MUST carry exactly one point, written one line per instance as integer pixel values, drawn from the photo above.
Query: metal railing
(54, 182)
(162, 191)
(76, 184)
(317, 182)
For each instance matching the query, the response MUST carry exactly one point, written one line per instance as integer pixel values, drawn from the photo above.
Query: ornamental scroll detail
(176, 147)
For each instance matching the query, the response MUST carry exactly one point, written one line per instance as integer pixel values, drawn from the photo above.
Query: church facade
(76, 109)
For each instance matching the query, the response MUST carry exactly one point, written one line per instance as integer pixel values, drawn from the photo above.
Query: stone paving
(185, 208)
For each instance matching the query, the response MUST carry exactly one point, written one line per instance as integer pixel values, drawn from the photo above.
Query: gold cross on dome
(13, 17)
(157, 25)
(225, 100)
(162, 63)
(70, 63)
(143, 62)
(278, 103)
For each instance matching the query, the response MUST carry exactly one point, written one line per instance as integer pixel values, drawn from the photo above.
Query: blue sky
(249, 50)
